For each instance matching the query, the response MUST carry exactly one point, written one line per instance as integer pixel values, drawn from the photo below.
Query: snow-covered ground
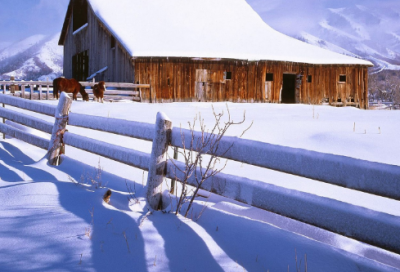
(53, 218)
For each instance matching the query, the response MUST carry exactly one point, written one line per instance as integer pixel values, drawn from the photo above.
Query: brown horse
(98, 91)
(69, 86)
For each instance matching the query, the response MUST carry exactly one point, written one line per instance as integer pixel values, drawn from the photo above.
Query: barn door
(268, 91)
(202, 85)
(299, 80)
(288, 93)
(80, 66)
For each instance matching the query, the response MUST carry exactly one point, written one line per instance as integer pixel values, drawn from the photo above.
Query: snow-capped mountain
(368, 29)
(37, 57)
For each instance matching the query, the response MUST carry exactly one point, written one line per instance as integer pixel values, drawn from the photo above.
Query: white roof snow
(204, 29)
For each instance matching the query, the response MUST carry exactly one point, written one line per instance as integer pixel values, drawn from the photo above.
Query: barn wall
(182, 79)
(96, 39)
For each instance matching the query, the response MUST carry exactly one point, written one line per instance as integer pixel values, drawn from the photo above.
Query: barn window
(342, 78)
(269, 77)
(112, 42)
(79, 14)
(309, 78)
(80, 66)
(227, 75)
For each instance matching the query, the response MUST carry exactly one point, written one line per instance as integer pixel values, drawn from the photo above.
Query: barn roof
(204, 29)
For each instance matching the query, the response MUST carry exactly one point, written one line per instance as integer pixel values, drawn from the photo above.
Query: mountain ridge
(368, 30)
(37, 57)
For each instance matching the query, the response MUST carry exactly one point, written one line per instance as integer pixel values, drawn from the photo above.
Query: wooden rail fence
(44, 89)
(365, 225)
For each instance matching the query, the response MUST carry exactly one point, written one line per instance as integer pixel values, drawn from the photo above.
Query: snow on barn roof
(205, 29)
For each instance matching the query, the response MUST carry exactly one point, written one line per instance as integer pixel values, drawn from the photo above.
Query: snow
(325, 24)
(21, 46)
(52, 54)
(96, 73)
(45, 212)
(358, 28)
(205, 29)
(311, 39)
(80, 29)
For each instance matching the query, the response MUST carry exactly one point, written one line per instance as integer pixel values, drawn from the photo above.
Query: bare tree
(201, 161)
(385, 86)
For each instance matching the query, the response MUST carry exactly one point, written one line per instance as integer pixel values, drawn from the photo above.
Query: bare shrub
(132, 193)
(200, 159)
(94, 178)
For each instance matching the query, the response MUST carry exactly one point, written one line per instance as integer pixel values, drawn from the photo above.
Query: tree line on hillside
(384, 86)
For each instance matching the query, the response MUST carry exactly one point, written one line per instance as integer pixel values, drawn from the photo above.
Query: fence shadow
(184, 248)
(18, 160)
(116, 239)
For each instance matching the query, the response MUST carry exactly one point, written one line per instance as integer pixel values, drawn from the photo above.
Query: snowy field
(54, 219)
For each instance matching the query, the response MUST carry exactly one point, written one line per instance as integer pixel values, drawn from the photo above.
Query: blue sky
(22, 18)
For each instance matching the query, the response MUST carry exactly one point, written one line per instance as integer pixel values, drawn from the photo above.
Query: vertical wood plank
(158, 160)
(56, 144)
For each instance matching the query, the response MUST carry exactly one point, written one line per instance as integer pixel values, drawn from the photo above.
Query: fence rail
(365, 225)
(19, 88)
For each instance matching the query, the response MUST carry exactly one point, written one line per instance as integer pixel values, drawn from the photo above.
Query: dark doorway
(79, 14)
(80, 66)
(289, 89)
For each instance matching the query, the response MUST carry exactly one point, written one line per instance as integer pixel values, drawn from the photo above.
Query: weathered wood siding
(96, 39)
(182, 79)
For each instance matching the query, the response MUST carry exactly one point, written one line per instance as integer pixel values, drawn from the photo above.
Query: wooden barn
(209, 50)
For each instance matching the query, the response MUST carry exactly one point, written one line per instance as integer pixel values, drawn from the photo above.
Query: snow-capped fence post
(56, 143)
(158, 160)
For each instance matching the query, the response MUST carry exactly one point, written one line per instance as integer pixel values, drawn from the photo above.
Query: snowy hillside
(36, 57)
(370, 30)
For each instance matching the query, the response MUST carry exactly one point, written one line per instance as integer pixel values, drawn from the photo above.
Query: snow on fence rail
(19, 87)
(366, 225)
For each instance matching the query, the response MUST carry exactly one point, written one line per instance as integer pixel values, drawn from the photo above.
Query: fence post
(4, 120)
(158, 160)
(56, 144)
(40, 92)
(23, 90)
(47, 93)
(30, 91)
(173, 181)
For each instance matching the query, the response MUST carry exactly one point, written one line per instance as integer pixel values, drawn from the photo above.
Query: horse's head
(85, 97)
(102, 85)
